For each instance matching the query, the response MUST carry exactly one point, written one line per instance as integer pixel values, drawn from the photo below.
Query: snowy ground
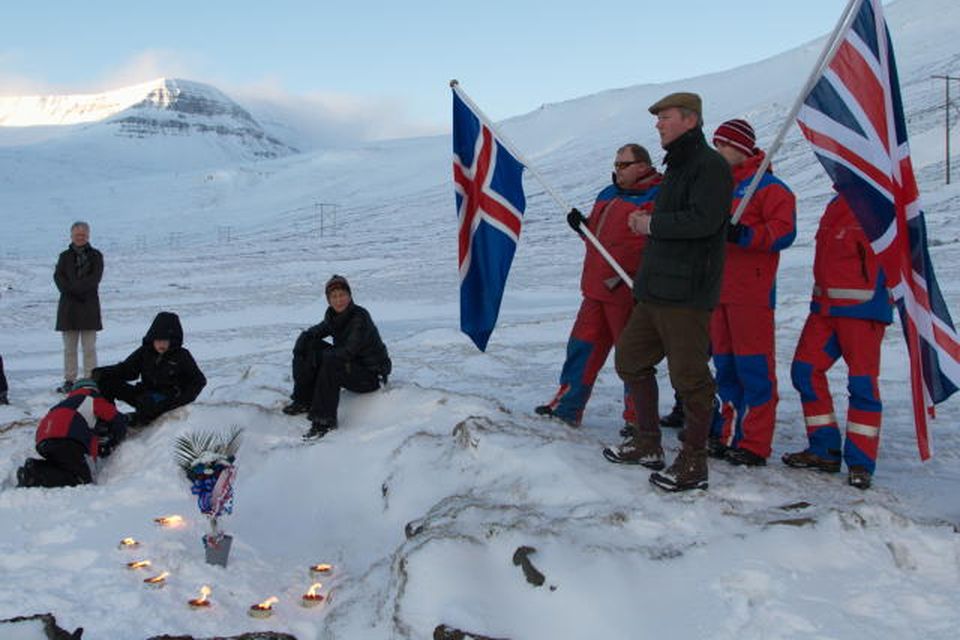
(422, 497)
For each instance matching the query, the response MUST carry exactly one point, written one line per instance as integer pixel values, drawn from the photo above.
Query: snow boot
(644, 446)
(319, 428)
(742, 457)
(807, 459)
(26, 476)
(3, 398)
(547, 411)
(543, 410)
(643, 449)
(295, 408)
(859, 477)
(688, 471)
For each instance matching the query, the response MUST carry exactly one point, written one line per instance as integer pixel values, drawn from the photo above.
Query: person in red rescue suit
(607, 300)
(742, 325)
(71, 436)
(849, 314)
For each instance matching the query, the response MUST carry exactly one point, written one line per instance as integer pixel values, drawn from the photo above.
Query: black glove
(735, 232)
(575, 219)
(104, 447)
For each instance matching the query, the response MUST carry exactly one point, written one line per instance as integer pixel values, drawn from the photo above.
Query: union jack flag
(488, 181)
(854, 119)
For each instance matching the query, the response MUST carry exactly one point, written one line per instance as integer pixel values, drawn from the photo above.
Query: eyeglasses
(624, 165)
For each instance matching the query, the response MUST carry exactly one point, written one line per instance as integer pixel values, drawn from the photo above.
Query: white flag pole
(627, 279)
(828, 52)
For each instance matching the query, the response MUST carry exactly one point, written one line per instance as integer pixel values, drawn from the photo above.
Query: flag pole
(827, 54)
(627, 279)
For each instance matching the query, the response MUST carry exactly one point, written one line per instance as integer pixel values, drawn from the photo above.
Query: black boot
(295, 408)
(319, 428)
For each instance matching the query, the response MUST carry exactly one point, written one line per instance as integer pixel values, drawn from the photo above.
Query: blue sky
(396, 57)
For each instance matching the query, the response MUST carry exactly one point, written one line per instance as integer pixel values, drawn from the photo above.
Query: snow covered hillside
(425, 494)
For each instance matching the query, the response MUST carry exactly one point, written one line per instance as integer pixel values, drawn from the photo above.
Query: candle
(263, 609)
(139, 564)
(201, 602)
(311, 598)
(157, 581)
(169, 521)
(320, 570)
(129, 543)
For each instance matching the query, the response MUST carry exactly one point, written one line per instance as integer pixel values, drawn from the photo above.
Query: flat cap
(682, 99)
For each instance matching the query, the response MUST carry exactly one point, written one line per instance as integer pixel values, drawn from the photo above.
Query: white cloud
(323, 118)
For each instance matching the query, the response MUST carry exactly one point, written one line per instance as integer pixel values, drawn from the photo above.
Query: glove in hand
(575, 219)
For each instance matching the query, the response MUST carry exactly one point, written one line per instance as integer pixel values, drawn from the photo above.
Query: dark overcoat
(79, 306)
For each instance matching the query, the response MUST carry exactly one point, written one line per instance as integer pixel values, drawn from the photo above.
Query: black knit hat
(337, 282)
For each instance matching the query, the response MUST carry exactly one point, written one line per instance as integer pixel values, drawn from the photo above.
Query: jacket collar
(683, 147)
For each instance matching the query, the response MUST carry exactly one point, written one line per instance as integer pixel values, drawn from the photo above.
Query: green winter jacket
(683, 261)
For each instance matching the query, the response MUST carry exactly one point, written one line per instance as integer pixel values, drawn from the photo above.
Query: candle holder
(202, 602)
(169, 521)
(263, 609)
(128, 543)
(157, 581)
(321, 570)
(139, 564)
(311, 598)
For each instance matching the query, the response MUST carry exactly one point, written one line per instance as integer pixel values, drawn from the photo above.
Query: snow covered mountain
(195, 122)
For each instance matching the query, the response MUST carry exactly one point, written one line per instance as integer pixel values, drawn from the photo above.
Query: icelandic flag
(854, 119)
(488, 181)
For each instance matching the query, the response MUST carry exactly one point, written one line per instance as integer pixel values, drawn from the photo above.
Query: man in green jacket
(676, 289)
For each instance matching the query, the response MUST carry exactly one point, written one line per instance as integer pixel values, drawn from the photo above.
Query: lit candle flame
(169, 521)
(312, 591)
(321, 568)
(268, 603)
(128, 542)
(139, 564)
(204, 592)
(158, 578)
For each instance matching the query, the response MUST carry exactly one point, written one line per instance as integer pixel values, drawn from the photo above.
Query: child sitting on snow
(77, 430)
(168, 375)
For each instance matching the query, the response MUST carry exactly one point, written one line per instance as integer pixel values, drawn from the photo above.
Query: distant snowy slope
(162, 125)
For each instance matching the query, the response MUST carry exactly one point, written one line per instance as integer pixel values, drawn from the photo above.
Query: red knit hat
(738, 134)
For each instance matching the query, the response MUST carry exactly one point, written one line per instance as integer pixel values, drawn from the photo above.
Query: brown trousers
(680, 334)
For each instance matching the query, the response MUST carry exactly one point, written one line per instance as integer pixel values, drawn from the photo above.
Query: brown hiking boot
(807, 459)
(688, 471)
(643, 449)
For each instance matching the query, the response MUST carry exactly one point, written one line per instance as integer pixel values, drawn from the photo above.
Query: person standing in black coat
(357, 360)
(77, 276)
(3, 384)
(169, 376)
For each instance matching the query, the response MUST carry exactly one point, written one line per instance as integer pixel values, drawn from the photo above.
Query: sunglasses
(624, 165)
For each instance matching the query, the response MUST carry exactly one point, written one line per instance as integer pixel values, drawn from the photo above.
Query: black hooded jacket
(173, 373)
(356, 339)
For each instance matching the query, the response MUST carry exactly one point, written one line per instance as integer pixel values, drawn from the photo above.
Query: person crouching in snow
(77, 430)
(168, 375)
(357, 360)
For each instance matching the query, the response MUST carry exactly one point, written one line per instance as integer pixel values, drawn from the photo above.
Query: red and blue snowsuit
(850, 310)
(68, 438)
(607, 300)
(75, 417)
(741, 327)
